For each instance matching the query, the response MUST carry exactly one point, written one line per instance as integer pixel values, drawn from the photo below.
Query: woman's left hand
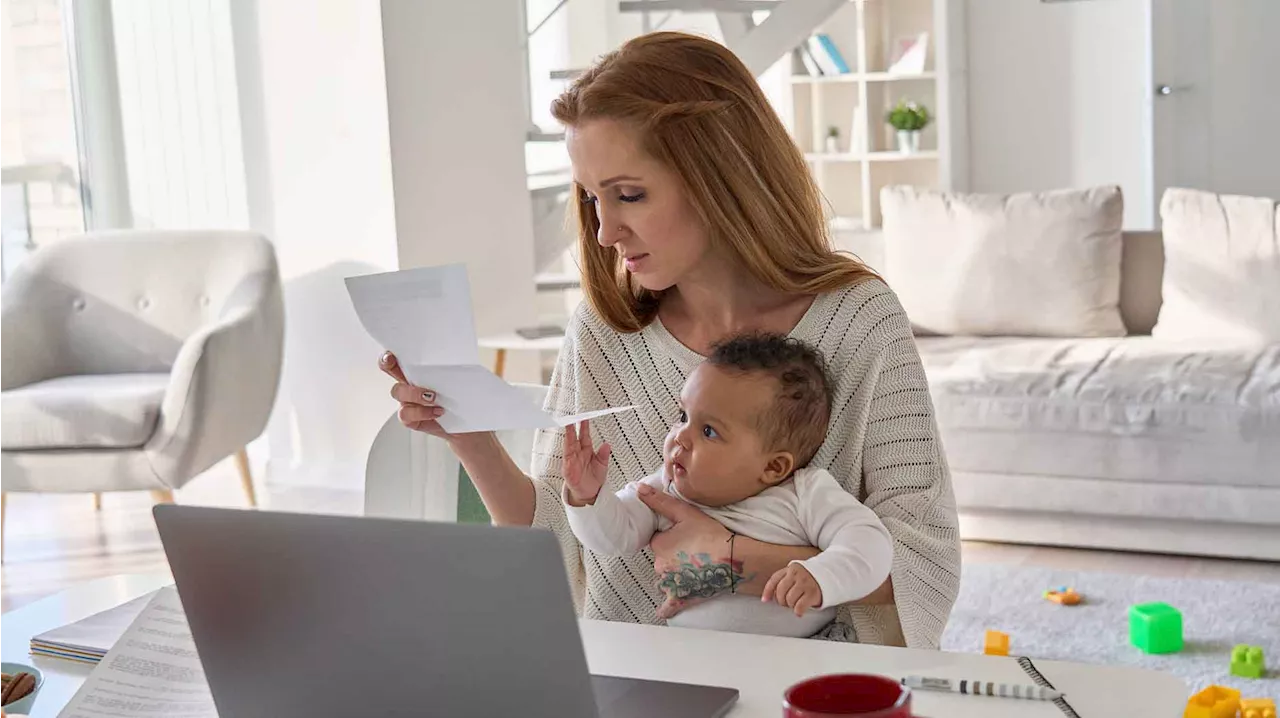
(692, 557)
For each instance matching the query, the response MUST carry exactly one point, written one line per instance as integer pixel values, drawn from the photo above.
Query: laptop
(311, 615)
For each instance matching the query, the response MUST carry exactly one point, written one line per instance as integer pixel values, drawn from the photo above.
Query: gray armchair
(135, 360)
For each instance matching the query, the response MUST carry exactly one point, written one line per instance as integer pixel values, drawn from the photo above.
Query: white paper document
(153, 670)
(424, 317)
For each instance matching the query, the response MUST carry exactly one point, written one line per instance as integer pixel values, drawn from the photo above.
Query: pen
(982, 688)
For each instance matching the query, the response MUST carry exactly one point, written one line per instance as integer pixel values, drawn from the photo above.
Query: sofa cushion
(104, 411)
(1044, 264)
(1222, 267)
(1130, 409)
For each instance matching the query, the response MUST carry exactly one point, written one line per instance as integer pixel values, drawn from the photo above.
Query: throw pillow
(1033, 264)
(1221, 267)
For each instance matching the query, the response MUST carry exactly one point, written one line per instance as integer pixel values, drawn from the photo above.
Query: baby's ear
(779, 467)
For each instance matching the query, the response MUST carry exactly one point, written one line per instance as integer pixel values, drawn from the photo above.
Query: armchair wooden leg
(500, 362)
(162, 496)
(97, 501)
(246, 477)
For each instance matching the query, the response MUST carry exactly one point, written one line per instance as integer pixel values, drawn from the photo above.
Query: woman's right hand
(418, 409)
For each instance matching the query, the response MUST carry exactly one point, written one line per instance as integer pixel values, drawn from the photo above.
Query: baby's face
(714, 453)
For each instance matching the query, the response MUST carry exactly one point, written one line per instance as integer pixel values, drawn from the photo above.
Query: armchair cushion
(102, 411)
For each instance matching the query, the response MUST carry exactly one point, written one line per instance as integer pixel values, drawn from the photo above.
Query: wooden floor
(56, 541)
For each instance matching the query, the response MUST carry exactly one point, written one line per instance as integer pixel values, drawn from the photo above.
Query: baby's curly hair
(802, 406)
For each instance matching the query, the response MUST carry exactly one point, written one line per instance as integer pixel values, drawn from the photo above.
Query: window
(41, 189)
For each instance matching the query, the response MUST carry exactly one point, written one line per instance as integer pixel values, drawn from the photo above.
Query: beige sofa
(1125, 443)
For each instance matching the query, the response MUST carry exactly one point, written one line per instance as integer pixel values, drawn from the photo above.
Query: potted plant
(908, 118)
(832, 143)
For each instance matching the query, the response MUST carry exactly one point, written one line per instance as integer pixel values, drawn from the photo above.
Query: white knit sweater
(882, 445)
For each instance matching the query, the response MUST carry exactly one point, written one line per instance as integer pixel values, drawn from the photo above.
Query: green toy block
(1155, 627)
(1246, 661)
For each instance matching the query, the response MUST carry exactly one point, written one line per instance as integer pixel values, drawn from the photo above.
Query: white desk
(760, 667)
(502, 343)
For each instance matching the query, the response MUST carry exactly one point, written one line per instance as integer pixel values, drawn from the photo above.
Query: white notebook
(89, 639)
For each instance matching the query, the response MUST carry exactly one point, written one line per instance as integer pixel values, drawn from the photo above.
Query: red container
(849, 694)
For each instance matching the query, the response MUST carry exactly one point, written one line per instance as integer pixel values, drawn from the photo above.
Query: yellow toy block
(1213, 702)
(1257, 708)
(996, 644)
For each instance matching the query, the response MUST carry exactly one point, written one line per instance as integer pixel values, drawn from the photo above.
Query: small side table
(502, 343)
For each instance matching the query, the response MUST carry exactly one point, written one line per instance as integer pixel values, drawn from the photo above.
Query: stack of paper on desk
(152, 670)
(424, 317)
(88, 640)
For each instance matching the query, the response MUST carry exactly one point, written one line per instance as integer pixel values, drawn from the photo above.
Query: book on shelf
(825, 60)
(833, 52)
(807, 61)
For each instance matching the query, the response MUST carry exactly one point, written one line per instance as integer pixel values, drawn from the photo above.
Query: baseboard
(1192, 538)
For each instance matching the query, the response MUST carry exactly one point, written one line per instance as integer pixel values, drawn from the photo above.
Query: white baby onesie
(809, 509)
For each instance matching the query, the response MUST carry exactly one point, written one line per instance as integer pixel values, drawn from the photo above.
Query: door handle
(1166, 90)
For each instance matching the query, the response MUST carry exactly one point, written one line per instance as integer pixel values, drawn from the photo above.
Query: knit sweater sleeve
(548, 458)
(907, 483)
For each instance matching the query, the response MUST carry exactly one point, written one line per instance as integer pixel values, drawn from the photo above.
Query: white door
(1216, 102)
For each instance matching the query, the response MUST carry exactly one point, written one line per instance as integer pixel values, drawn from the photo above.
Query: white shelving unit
(865, 32)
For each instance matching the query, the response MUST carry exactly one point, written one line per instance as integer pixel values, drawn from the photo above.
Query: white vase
(908, 141)
(831, 145)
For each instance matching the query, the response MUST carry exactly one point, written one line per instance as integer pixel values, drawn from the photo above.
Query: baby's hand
(793, 587)
(584, 468)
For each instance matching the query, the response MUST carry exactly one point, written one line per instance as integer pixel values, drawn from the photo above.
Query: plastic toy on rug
(1213, 702)
(1155, 627)
(1247, 662)
(1064, 595)
(1257, 708)
(995, 643)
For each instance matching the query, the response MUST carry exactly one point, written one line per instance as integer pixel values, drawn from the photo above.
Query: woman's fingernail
(644, 489)
(386, 358)
(428, 396)
(437, 412)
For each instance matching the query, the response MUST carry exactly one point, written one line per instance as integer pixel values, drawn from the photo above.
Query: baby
(751, 418)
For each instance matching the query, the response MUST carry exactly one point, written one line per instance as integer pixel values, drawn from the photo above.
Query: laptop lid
(423, 618)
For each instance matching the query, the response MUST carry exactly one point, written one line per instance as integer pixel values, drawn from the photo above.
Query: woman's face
(644, 213)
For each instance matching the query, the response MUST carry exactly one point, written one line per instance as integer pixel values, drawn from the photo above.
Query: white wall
(1244, 39)
(1059, 96)
(318, 170)
(457, 128)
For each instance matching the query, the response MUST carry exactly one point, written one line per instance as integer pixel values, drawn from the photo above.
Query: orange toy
(1257, 708)
(1213, 702)
(996, 643)
(1064, 595)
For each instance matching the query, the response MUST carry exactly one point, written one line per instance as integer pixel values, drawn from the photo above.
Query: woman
(699, 220)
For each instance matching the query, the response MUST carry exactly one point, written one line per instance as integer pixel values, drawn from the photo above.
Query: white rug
(1216, 615)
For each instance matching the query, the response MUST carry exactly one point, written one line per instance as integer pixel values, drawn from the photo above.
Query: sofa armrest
(221, 388)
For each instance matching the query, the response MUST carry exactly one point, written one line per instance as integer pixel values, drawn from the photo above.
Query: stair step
(743, 6)
(539, 136)
(556, 282)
